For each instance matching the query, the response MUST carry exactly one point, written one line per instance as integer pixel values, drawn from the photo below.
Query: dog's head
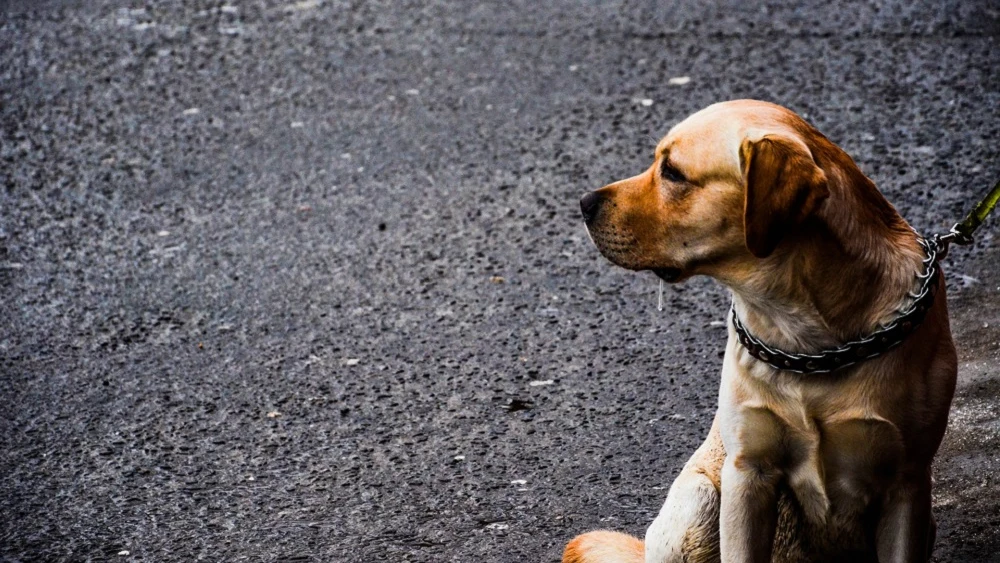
(726, 187)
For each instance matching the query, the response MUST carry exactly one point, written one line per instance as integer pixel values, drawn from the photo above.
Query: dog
(797, 467)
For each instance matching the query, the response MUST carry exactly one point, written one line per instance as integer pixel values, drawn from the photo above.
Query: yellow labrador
(801, 467)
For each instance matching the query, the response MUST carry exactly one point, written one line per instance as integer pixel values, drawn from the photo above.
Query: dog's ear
(784, 186)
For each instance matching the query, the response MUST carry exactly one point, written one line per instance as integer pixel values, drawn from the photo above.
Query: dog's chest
(835, 457)
(840, 466)
(834, 465)
(833, 441)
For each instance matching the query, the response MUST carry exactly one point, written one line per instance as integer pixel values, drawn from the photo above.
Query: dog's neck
(842, 274)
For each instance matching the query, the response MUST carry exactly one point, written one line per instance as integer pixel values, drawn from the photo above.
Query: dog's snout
(590, 204)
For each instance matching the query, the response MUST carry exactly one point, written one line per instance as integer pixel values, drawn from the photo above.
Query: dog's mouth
(668, 275)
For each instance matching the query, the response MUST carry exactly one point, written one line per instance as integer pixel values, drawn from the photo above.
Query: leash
(888, 336)
(961, 233)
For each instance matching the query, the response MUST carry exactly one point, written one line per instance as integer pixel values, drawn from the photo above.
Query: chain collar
(875, 344)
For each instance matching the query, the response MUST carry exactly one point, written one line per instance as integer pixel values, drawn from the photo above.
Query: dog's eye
(669, 173)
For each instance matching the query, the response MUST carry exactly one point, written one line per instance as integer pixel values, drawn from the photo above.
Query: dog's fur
(796, 468)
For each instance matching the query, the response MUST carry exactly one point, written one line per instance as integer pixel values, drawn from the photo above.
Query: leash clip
(955, 235)
(961, 233)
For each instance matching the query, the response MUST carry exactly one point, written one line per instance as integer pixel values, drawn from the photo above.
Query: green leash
(961, 233)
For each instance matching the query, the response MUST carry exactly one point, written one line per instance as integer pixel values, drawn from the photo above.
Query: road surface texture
(307, 281)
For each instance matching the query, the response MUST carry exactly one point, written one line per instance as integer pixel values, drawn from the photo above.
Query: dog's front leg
(750, 478)
(749, 510)
(905, 530)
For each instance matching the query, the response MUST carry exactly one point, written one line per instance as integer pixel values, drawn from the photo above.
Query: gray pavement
(288, 281)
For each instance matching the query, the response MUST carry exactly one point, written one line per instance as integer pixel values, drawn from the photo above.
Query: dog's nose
(590, 204)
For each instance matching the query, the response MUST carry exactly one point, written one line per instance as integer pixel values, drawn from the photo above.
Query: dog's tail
(603, 546)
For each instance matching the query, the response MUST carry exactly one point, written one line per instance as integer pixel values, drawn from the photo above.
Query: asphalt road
(289, 282)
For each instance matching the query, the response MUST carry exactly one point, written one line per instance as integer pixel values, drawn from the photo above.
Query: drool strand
(659, 299)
